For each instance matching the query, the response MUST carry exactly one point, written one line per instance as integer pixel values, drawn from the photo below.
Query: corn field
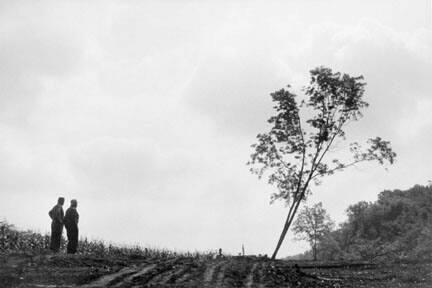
(24, 241)
(12, 240)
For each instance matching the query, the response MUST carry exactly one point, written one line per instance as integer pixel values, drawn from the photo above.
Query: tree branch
(340, 168)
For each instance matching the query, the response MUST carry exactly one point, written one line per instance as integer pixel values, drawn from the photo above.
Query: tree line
(397, 226)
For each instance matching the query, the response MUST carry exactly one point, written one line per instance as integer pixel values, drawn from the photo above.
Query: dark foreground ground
(19, 270)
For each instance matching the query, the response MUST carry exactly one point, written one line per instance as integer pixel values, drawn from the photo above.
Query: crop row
(14, 240)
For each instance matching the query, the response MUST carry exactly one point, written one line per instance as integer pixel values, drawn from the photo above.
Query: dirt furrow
(220, 275)
(250, 278)
(50, 286)
(152, 276)
(185, 277)
(260, 276)
(158, 279)
(172, 277)
(191, 276)
(209, 273)
(107, 280)
(129, 279)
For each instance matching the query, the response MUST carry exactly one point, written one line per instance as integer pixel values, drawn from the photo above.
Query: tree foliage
(294, 152)
(397, 226)
(313, 224)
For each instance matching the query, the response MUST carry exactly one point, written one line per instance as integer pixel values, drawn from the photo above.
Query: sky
(145, 111)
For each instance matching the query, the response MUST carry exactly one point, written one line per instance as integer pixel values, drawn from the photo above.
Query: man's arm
(51, 213)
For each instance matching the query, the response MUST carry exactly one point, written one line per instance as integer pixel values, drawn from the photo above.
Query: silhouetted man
(71, 223)
(56, 214)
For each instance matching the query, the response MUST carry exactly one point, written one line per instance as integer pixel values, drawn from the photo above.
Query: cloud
(31, 52)
(232, 87)
(233, 92)
(394, 65)
(133, 167)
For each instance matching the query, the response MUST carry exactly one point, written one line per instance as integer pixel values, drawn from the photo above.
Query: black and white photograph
(216, 143)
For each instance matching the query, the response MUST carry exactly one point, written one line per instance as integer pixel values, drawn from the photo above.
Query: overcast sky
(144, 111)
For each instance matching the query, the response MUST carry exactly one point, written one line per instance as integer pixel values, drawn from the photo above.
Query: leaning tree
(295, 152)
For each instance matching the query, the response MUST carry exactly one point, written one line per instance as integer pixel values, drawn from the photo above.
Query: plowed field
(93, 272)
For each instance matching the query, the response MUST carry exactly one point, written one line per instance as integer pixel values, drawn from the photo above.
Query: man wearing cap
(71, 223)
(56, 214)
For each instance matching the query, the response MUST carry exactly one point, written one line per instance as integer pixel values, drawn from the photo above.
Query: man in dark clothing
(56, 214)
(71, 223)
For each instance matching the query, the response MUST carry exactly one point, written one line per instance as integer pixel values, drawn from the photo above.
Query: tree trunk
(282, 236)
(288, 222)
(314, 251)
